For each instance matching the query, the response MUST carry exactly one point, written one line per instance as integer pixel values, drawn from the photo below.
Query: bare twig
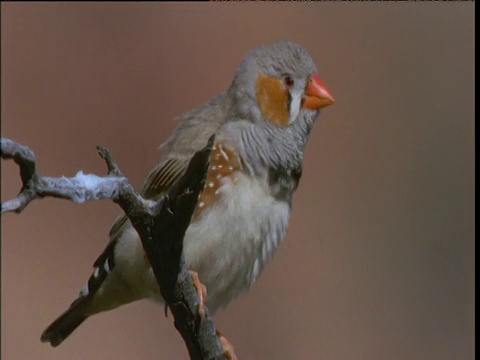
(169, 216)
(25, 159)
(81, 188)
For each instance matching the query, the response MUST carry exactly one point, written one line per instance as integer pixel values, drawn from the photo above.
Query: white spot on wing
(224, 154)
(95, 273)
(106, 266)
(85, 290)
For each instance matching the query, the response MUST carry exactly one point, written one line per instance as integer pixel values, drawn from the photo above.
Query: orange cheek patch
(273, 100)
(224, 162)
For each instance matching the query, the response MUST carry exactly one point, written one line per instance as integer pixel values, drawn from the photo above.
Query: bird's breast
(235, 234)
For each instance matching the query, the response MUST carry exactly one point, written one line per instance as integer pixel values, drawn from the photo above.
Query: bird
(261, 123)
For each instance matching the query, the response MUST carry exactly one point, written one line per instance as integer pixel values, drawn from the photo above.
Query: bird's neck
(263, 145)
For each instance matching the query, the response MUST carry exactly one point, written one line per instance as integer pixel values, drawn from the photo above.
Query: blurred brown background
(379, 258)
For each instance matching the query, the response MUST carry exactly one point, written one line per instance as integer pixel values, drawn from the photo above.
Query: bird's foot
(201, 292)
(227, 347)
(202, 298)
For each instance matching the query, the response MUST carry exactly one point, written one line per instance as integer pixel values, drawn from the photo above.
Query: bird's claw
(227, 347)
(202, 298)
(201, 292)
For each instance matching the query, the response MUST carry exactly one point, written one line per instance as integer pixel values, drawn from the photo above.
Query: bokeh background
(379, 258)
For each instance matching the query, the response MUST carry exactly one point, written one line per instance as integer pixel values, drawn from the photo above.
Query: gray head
(276, 83)
(273, 102)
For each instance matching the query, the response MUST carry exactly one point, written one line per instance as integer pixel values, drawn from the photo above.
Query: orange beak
(317, 95)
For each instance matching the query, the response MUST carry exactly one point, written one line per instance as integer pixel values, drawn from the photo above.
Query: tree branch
(77, 189)
(169, 216)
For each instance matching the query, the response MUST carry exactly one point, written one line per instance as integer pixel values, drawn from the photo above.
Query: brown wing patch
(224, 162)
(273, 100)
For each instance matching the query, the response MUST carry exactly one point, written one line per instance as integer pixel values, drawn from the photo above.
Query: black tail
(61, 328)
(81, 308)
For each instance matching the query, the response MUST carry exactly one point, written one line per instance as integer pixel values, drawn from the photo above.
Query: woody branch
(169, 216)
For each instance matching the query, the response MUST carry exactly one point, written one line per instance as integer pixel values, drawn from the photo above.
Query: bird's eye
(288, 81)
